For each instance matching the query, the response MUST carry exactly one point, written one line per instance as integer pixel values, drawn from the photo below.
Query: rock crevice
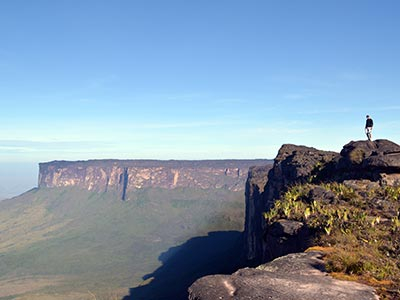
(292, 277)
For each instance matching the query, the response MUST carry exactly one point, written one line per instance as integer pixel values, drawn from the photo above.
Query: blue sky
(84, 79)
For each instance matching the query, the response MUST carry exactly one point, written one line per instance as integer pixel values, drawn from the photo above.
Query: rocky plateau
(123, 176)
(279, 268)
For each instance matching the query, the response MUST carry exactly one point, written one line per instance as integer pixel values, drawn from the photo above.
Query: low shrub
(362, 234)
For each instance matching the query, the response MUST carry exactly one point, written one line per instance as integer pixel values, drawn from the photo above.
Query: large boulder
(368, 160)
(292, 277)
(283, 237)
(294, 164)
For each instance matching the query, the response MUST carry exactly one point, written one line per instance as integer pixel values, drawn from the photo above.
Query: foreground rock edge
(291, 277)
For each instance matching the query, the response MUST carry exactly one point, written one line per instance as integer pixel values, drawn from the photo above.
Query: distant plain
(69, 243)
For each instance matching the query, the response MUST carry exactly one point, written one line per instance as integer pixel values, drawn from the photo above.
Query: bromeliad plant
(364, 235)
(321, 217)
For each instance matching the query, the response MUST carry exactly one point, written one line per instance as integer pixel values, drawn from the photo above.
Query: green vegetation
(359, 231)
(73, 244)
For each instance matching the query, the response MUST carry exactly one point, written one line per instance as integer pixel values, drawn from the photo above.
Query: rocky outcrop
(299, 275)
(293, 164)
(283, 237)
(368, 160)
(127, 175)
(377, 161)
(292, 277)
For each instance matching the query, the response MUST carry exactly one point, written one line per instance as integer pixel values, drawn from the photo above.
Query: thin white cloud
(348, 110)
(161, 96)
(302, 94)
(87, 101)
(277, 130)
(187, 97)
(101, 81)
(386, 108)
(166, 125)
(290, 78)
(354, 76)
(18, 149)
(294, 96)
(30, 145)
(326, 111)
(231, 101)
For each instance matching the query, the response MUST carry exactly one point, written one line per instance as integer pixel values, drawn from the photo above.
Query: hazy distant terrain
(70, 243)
(17, 178)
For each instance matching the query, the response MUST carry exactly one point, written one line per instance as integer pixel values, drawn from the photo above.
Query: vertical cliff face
(293, 164)
(127, 175)
(377, 161)
(255, 183)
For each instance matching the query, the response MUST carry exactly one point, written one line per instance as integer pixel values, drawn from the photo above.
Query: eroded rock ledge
(298, 276)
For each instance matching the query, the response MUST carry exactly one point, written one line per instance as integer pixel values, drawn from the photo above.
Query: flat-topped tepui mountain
(128, 175)
(73, 238)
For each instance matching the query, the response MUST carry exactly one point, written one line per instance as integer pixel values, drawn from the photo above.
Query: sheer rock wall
(126, 175)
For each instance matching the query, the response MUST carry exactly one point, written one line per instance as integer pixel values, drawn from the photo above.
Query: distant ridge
(127, 175)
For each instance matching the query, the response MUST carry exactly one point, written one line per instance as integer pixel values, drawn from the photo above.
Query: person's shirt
(369, 123)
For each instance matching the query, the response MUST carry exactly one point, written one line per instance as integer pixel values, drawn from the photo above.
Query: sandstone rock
(256, 180)
(322, 195)
(390, 179)
(293, 164)
(365, 159)
(292, 277)
(360, 163)
(284, 237)
(286, 227)
(123, 176)
(361, 184)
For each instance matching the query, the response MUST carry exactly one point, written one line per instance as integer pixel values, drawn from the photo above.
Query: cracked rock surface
(298, 276)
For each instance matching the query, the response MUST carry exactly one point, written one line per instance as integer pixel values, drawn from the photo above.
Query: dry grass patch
(19, 286)
(27, 226)
(359, 232)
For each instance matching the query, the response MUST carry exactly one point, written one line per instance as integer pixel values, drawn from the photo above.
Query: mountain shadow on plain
(217, 253)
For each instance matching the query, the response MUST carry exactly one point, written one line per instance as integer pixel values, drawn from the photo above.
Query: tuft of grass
(393, 193)
(344, 192)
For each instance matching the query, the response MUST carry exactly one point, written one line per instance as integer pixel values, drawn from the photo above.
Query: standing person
(368, 128)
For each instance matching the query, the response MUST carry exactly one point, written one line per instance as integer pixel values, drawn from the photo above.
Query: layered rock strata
(127, 175)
